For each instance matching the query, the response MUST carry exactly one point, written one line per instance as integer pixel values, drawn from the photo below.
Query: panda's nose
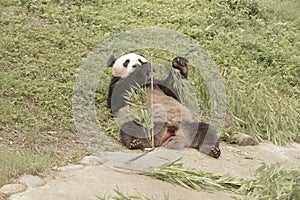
(136, 65)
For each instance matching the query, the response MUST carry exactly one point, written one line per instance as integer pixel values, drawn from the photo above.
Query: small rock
(32, 181)
(244, 139)
(10, 189)
(70, 167)
(90, 160)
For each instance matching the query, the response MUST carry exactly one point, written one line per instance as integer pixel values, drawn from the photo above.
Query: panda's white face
(126, 64)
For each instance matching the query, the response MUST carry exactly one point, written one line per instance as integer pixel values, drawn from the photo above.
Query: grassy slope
(255, 45)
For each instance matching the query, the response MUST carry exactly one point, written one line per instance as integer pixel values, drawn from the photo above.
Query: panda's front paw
(136, 144)
(215, 152)
(181, 64)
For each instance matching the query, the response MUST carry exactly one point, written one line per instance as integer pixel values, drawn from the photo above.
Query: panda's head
(126, 64)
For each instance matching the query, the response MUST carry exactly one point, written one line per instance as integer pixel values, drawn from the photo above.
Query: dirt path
(90, 178)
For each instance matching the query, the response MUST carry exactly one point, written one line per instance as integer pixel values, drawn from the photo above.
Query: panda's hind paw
(215, 152)
(136, 144)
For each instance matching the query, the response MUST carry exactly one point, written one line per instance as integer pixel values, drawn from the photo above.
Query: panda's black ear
(111, 61)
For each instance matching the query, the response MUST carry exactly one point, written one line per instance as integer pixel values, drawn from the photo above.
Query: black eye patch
(125, 64)
(141, 61)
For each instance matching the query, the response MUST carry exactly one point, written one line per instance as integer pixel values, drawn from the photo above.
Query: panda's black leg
(210, 144)
(206, 139)
(133, 136)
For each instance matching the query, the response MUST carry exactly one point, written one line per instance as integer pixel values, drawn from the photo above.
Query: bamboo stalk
(152, 110)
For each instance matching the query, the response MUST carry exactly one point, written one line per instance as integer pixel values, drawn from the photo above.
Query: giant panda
(174, 126)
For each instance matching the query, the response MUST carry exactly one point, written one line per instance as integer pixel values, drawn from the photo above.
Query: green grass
(275, 181)
(255, 45)
(15, 163)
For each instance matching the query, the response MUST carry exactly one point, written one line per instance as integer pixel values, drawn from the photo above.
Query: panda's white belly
(168, 109)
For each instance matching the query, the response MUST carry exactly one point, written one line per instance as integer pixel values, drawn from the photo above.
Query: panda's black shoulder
(167, 91)
(114, 80)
